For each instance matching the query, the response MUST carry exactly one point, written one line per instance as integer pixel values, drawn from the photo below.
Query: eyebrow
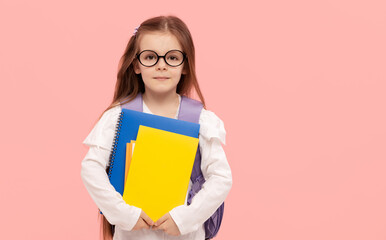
(141, 50)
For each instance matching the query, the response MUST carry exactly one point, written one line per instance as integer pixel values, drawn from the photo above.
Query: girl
(159, 63)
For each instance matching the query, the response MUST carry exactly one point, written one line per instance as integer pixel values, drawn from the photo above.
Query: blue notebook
(127, 130)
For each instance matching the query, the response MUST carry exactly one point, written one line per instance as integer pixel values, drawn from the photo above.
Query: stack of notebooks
(152, 160)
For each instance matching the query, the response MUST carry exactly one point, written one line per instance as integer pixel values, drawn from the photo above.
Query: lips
(161, 78)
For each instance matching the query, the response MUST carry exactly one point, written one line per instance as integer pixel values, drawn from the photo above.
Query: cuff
(176, 214)
(135, 213)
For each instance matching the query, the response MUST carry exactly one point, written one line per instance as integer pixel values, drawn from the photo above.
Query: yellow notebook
(160, 170)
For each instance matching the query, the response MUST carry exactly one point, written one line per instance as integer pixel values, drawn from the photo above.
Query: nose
(161, 64)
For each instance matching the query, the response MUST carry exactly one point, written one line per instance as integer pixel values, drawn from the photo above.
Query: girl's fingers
(161, 220)
(168, 228)
(140, 224)
(145, 225)
(160, 227)
(147, 219)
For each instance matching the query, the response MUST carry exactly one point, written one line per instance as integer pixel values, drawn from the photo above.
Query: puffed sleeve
(94, 176)
(216, 171)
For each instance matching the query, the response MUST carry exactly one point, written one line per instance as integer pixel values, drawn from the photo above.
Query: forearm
(108, 200)
(212, 194)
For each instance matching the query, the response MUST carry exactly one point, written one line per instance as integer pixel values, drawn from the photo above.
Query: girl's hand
(167, 224)
(144, 221)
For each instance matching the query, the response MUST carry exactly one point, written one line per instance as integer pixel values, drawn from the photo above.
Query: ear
(184, 71)
(136, 67)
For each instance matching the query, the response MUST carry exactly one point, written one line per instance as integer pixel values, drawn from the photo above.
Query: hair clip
(136, 30)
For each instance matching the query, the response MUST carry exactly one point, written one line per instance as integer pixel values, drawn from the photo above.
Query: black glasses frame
(158, 57)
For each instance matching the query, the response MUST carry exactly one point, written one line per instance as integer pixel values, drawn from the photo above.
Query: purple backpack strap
(136, 104)
(190, 110)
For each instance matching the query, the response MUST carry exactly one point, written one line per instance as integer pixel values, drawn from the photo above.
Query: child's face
(161, 43)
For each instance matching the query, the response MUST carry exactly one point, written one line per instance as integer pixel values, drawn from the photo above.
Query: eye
(150, 57)
(173, 58)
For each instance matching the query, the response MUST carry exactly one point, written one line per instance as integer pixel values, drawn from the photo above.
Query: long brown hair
(129, 84)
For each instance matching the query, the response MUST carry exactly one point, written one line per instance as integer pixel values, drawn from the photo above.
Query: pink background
(300, 86)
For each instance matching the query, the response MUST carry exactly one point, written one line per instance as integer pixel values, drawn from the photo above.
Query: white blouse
(189, 219)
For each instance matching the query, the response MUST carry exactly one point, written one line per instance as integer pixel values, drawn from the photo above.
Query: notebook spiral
(114, 147)
(115, 143)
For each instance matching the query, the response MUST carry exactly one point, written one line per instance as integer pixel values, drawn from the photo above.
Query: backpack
(190, 111)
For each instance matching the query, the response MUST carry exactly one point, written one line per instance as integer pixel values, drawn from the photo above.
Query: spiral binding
(115, 143)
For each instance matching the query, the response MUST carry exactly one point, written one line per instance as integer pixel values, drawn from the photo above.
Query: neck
(160, 99)
(161, 104)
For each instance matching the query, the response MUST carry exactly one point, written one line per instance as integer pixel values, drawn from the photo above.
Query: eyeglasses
(149, 58)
